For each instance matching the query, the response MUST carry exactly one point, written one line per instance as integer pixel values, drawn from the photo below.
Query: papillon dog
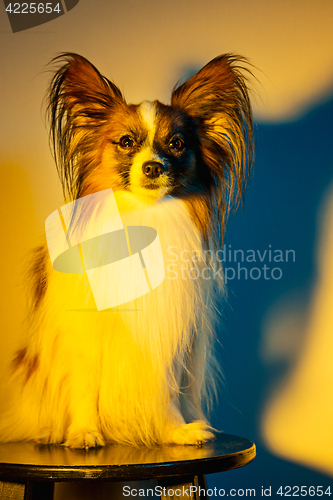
(143, 373)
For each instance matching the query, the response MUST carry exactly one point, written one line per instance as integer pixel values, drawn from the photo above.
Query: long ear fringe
(78, 104)
(217, 98)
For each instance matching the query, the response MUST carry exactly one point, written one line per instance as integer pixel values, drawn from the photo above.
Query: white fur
(147, 111)
(115, 376)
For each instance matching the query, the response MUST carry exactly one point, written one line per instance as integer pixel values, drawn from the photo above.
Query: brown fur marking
(28, 365)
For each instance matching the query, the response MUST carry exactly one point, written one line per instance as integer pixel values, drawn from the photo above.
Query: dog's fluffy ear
(217, 98)
(80, 101)
(79, 85)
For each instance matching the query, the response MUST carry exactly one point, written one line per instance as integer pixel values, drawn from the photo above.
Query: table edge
(130, 472)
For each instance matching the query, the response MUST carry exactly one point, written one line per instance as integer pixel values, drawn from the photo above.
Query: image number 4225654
(26, 15)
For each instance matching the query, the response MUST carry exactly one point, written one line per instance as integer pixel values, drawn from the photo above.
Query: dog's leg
(178, 431)
(84, 428)
(83, 431)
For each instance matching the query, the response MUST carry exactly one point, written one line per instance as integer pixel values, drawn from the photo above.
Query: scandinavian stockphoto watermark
(123, 263)
(227, 263)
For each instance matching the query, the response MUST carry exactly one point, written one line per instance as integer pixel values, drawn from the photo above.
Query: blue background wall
(293, 171)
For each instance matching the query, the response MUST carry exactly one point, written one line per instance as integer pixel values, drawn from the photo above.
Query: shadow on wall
(298, 418)
(278, 343)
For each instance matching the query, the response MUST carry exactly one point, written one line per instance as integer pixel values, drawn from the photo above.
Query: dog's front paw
(195, 433)
(84, 438)
(48, 436)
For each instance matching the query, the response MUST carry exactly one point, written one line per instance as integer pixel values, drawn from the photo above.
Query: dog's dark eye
(126, 142)
(177, 144)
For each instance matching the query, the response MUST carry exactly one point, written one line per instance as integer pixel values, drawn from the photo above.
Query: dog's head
(151, 149)
(199, 146)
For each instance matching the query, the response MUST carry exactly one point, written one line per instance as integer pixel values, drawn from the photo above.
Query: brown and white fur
(143, 372)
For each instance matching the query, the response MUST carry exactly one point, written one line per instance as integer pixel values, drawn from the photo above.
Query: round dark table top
(28, 461)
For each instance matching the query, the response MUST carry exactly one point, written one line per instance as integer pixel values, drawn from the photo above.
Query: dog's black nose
(152, 169)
